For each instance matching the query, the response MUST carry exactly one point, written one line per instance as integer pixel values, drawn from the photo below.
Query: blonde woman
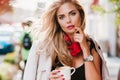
(65, 44)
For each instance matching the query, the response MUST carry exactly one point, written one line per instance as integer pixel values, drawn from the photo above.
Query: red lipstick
(70, 26)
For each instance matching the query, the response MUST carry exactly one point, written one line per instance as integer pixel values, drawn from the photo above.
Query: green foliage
(0, 77)
(117, 20)
(114, 1)
(98, 9)
(115, 9)
(10, 58)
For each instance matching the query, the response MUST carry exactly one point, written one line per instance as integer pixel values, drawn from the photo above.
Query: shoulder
(39, 46)
(105, 73)
(97, 49)
(93, 43)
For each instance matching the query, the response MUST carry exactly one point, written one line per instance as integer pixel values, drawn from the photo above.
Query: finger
(78, 38)
(55, 71)
(78, 35)
(78, 30)
(55, 76)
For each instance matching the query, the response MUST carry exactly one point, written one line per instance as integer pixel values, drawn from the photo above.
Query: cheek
(63, 28)
(77, 21)
(62, 24)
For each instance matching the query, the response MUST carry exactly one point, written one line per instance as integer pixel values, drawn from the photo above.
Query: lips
(70, 26)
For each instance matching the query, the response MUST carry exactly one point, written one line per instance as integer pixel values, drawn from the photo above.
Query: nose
(68, 19)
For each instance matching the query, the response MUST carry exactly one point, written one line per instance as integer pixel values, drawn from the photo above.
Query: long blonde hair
(54, 43)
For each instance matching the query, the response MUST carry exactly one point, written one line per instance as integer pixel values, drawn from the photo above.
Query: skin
(67, 15)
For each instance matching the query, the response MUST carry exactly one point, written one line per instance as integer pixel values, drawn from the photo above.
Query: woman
(65, 44)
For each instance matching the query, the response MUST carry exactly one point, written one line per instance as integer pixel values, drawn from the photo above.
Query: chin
(70, 32)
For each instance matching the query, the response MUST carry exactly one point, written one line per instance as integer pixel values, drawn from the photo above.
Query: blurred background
(103, 24)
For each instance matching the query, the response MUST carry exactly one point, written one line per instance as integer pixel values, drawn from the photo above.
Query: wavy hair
(53, 42)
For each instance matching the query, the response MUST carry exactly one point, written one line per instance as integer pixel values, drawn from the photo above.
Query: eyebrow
(68, 13)
(72, 11)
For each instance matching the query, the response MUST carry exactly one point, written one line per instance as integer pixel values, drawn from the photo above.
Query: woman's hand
(80, 37)
(55, 75)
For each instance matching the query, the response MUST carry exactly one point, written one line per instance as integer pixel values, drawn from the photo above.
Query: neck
(77, 61)
(71, 37)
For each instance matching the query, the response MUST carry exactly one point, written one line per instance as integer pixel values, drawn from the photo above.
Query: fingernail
(77, 31)
(58, 71)
(63, 78)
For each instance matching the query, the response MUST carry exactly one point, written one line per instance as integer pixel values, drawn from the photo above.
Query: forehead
(66, 8)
